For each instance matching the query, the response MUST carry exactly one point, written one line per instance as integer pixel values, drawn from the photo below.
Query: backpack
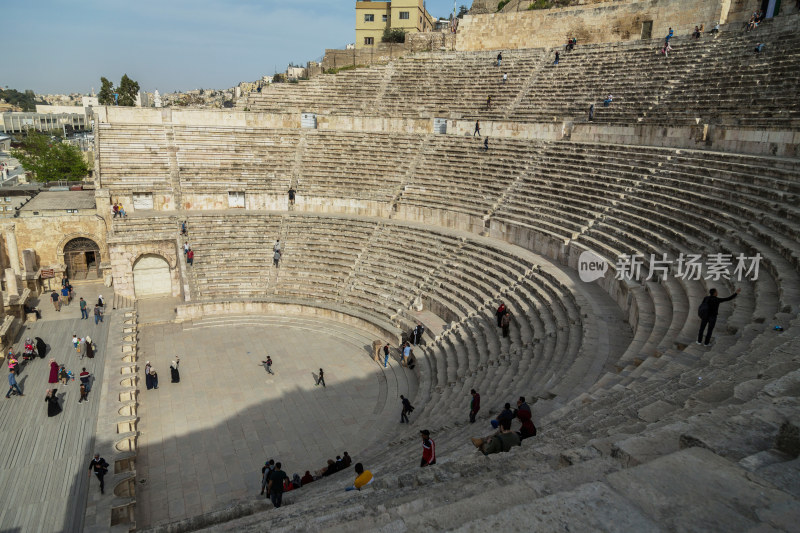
(702, 311)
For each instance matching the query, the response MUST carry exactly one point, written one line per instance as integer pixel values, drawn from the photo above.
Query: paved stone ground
(203, 441)
(44, 461)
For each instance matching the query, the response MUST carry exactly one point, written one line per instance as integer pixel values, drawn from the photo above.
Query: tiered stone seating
(133, 155)
(353, 165)
(252, 159)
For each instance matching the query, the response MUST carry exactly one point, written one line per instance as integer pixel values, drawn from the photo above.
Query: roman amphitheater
(404, 216)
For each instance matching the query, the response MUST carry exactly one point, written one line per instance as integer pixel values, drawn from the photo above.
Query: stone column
(29, 261)
(11, 283)
(11, 247)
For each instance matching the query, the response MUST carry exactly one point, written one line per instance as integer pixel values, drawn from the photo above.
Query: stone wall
(48, 236)
(123, 257)
(606, 22)
(384, 52)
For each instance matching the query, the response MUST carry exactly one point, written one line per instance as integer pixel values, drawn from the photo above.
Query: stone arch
(82, 257)
(151, 276)
(168, 256)
(80, 235)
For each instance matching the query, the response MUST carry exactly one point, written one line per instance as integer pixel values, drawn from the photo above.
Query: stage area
(203, 440)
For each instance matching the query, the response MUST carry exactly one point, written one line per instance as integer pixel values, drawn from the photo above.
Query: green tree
(128, 89)
(51, 160)
(106, 94)
(25, 100)
(395, 35)
(462, 10)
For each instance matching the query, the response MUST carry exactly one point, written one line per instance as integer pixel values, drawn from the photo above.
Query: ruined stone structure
(402, 215)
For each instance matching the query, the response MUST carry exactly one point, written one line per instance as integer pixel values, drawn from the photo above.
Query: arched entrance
(151, 277)
(82, 257)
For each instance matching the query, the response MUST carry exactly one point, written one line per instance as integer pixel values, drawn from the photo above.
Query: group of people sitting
(504, 438)
(755, 19)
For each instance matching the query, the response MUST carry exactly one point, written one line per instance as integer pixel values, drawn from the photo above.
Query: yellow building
(372, 18)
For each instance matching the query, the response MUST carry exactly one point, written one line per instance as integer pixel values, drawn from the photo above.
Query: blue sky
(63, 46)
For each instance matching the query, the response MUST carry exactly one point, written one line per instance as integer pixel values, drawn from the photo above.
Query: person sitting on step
(502, 441)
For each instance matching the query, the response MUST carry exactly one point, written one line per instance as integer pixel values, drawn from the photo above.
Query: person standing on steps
(591, 112)
(275, 485)
(501, 310)
(276, 258)
(190, 257)
(505, 78)
(386, 355)
(477, 128)
(419, 331)
(489, 102)
(99, 467)
(428, 449)
(486, 144)
(505, 323)
(474, 405)
(84, 311)
(407, 408)
(277, 246)
(499, 59)
(292, 194)
(184, 229)
(321, 378)
(557, 58)
(185, 248)
(708, 311)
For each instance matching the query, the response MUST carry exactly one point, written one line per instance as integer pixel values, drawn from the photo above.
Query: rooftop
(58, 200)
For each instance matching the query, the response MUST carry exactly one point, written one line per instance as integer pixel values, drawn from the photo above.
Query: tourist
(13, 363)
(406, 354)
(82, 347)
(346, 459)
(666, 49)
(173, 370)
(363, 478)
(154, 377)
(505, 414)
(63, 375)
(85, 378)
(501, 441)
(275, 485)
(759, 47)
(505, 78)
(715, 29)
(41, 347)
(51, 398)
(148, 378)
(75, 342)
(266, 470)
(557, 58)
(428, 449)
(276, 258)
(505, 323)
(296, 481)
(607, 101)
(477, 129)
(669, 36)
(101, 302)
(292, 194)
(696, 32)
(56, 301)
(499, 59)
(488, 102)
(12, 385)
(321, 378)
(268, 364)
(307, 478)
(486, 144)
(501, 310)
(416, 336)
(84, 394)
(184, 229)
(474, 405)
(190, 257)
(65, 295)
(90, 347)
(525, 416)
(708, 311)
(277, 246)
(329, 469)
(84, 312)
(53, 372)
(100, 467)
(185, 248)
(407, 408)
(122, 212)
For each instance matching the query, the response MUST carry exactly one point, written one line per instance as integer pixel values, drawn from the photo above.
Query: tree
(24, 100)
(51, 160)
(106, 94)
(128, 89)
(462, 10)
(395, 35)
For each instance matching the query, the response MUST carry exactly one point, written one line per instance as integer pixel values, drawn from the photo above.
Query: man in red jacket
(523, 413)
(428, 449)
